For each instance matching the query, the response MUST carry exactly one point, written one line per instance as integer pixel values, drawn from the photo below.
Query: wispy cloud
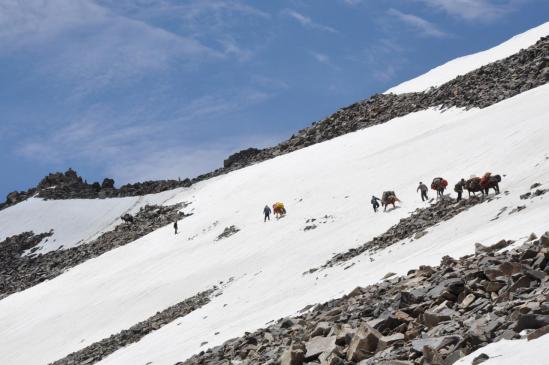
(324, 59)
(424, 27)
(307, 22)
(473, 10)
(384, 58)
(352, 2)
(127, 145)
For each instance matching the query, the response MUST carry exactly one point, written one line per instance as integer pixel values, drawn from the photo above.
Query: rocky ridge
(101, 349)
(480, 88)
(69, 185)
(413, 226)
(19, 272)
(431, 316)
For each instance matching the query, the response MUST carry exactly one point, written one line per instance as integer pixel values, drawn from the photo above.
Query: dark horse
(389, 197)
(476, 184)
(492, 182)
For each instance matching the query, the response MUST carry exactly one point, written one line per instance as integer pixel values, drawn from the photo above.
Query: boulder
(321, 329)
(542, 331)
(363, 344)
(292, 356)
(317, 345)
(531, 321)
(387, 341)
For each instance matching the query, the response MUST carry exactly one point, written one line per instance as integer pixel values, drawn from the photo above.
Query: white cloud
(473, 9)
(352, 2)
(127, 145)
(421, 25)
(324, 59)
(307, 22)
(93, 45)
(320, 57)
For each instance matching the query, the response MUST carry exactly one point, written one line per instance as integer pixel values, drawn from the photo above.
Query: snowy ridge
(463, 65)
(118, 289)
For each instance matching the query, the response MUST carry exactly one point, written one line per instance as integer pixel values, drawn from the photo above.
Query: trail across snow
(335, 178)
(465, 64)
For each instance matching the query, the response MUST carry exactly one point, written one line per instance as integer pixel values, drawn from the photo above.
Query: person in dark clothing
(175, 226)
(267, 213)
(424, 189)
(458, 188)
(375, 203)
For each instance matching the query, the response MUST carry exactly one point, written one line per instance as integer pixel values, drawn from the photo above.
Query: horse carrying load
(483, 184)
(439, 184)
(279, 209)
(388, 197)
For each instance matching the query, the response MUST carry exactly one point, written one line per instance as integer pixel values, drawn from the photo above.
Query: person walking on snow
(267, 213)
(458, 188)
(375, 203)
(175, 226)
(424, 189)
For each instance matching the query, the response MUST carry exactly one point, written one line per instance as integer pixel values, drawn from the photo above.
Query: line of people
(439, 184)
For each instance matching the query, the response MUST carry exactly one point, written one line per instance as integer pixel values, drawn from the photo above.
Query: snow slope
(507, 352)
(74, 221)
(122, 287)
(463, 65)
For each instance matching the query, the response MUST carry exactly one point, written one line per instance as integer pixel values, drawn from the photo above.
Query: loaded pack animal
(439, 185)
(389, 197)
(279, 210)
(484, 184)
(489, 181)
(473, 186)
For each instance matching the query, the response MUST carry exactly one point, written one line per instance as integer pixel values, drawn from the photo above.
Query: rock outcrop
(432, 315)
(69, 185)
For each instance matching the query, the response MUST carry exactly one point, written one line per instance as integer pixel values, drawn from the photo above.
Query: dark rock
(480, 359)
(542, 331)
(531, 321)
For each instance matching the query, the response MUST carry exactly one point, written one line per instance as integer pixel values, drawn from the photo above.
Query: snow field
(122, 287)
(74, 221)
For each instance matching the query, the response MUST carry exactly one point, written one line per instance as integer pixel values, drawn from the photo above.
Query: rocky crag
(480, 88)
(19, 272)
(98, 350)
(413, 226)
(431, 316)
(69, 185)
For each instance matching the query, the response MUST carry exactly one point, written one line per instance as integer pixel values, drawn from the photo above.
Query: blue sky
(148, 89)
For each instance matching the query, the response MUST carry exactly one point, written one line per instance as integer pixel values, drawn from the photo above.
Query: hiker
(458, 188)
(175, 226)
(375, 203)
(267, 213)
(424, 189)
